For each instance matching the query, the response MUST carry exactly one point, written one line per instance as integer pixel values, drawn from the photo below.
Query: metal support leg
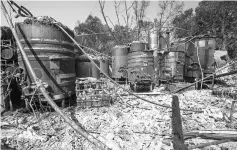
(231, 113)
(213, 82)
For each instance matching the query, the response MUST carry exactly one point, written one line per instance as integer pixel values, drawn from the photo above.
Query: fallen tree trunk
(226, 74)
(212, 135)
(209, 144)
(224, 93)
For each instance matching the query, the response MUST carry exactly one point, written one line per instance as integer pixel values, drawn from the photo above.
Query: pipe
(38, 82)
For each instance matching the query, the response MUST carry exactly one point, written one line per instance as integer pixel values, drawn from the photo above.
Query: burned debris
(154, 94)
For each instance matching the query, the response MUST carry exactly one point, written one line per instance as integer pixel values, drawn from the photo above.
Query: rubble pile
(229, 80)
(128, 124)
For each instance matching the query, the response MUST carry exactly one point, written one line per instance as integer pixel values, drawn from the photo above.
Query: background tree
(169, 9)
(139, 8)
(214, 18)
(184, 23)
(218, 18)
(132, 14)
(95, 34)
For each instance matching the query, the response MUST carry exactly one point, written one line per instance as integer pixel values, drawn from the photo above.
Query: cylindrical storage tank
(51, 54)
(202, 52)
(104, 65)
(153, 39)
(142, 62)
(138, 46)
(84, 67)
(172, 66)
(162, 44)
(119, 60)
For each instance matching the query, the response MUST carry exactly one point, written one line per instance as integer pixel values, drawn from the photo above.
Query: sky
(69, 12)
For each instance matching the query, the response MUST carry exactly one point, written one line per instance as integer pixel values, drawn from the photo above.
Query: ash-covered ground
(128, 124)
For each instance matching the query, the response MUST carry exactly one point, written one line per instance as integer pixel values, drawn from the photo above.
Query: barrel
(51, 55)
(119, 60)
(104, 65)
(84, 67)
(141, 62)
(138, 46)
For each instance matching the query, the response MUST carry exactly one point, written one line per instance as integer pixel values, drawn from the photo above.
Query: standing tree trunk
(223, 34)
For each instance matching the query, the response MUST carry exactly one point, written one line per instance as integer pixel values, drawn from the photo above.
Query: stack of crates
(94, 93)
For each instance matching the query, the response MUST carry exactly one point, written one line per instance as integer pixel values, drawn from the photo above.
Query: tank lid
(85, 58)
(137, 42)
(47, 21)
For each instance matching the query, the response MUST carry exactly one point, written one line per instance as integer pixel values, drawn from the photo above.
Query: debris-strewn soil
(129, 124)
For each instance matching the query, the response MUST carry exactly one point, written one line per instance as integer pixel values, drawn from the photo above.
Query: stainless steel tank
(51, 54)
(138, 46)
(172, 66)
(141, 62)
(202, 52)
(104, 65)
(119, 60)
(153, 39)
(85, 68)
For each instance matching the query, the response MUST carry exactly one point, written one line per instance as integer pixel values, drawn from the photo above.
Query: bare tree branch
(102, 3)
(169, 9)
(116, 6)
(139, 9)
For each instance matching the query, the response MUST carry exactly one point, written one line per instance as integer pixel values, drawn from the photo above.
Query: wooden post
(177, 131)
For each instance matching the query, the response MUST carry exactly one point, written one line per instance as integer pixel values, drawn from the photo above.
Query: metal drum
(202, 52)
(138, 46)
(104, 65)
(84, 67)
(119, 60)
(140, 62)
(51, 54)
